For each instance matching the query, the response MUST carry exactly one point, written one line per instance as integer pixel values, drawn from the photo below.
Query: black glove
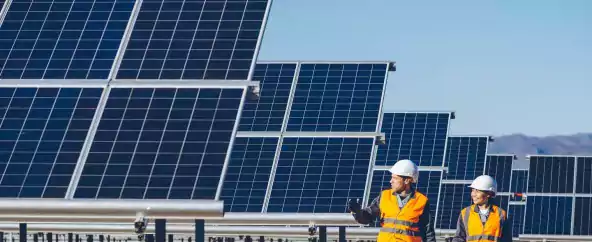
(354, 206)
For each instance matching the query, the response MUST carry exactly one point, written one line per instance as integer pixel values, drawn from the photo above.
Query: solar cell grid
(320, 174)
(548, 215)
(58, 39)
(582, 218)
(247, 176)
(516, 216)
(519, 180)
(465, 157)
(500, 168)
(453, 198)
(420, 137)
(428, 184)
(160, 143)
(338, 97)
(551, 174)
(42, 132)
(191, 39)
(584, 172)
(268, 111)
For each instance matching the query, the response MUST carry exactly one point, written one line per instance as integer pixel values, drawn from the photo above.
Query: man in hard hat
(403, 211)
(483, 221)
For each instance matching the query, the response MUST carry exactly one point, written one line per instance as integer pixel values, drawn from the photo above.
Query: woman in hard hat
(483, 221)
(404, 212)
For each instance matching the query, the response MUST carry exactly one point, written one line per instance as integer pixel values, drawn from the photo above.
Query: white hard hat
(484, 183)
(405, 168)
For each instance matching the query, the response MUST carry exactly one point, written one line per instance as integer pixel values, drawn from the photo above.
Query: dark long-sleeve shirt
(426, 220)
(461, 230)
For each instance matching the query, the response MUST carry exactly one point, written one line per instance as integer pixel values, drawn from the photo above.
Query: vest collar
(476, 208)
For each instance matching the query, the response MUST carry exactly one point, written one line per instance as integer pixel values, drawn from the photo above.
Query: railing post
(200, 230)
(342, 234)
(323, 234)
(160, 230)
(70, 237)
(22, 232)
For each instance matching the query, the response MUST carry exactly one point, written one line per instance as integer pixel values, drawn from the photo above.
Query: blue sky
(504, 66)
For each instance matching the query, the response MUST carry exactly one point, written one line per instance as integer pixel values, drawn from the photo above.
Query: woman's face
(479, 197)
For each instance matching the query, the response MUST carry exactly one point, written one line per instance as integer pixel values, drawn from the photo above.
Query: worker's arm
(507, 231)
(426, 224)
(368, 214)
(461, 232)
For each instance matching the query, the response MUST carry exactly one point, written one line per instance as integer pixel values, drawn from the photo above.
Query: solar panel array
(114, 99)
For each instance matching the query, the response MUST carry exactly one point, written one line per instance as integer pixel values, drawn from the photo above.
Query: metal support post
(22, 232)
(70, 237)
(322, 234)
(77, 236)
(342, 234)
(35, 237)
(200, 230)
(101, 238)
(49, 237)
(1, 236)
(160, 230)
(89, 238)
(170, 238)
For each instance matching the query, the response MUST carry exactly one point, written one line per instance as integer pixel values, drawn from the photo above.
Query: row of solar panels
(130, 39)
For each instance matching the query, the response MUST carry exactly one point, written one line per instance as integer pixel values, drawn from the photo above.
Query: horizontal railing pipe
(110, 207)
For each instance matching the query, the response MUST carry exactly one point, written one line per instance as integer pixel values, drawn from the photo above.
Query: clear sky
(504, 66)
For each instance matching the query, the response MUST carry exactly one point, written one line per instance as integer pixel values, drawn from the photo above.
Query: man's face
(479, 197)
(397, 183)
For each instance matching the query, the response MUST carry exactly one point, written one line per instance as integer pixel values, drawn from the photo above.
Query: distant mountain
(522, 145)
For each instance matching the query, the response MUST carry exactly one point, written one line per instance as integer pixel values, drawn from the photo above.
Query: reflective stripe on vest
(400, 224)
(489, 231)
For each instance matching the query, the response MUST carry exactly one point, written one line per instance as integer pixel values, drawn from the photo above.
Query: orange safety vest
(400, 224)
(477, 231)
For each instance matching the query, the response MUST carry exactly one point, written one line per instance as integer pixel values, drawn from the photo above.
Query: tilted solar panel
(500, 168)
(42, 132)
(551, 174)
(516, 216)
(501, 201)
(247, 176)
(582, 216)
(428, 184)
(548, 215)
(191, 39)
(161, 143)
(59, 39)
(268, 111)
(465, 157)
(584, 172)
(453, 198)
(338, 97)
(420, 137)
(320, 174)
(519, 180)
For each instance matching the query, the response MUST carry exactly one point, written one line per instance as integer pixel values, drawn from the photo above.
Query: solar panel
(182, 39)
(62, 39)
(42, 132)
(516, 217)
(428, 184)
(551, 174)
(453, 198)
(161, 143)
(501, 201)
(320, 174)
(582, 216)
(420, 137)
(584, 172)
(500, 168)
(519, 180)
(268, 111)
(343, 97)
(247, 176)
(548, 215)
(465, 157)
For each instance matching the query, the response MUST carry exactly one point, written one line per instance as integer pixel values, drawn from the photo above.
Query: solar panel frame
(64, 84)
(519, 180)
(78, 66)
(177, 85)
(516, 218)
(499, 166)
(292, 126)
(384, 153)
(582, 223)
(448, 212)
(545, 209)
(583, 171)
(545, 185)
(479, 160)
(163, 68)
